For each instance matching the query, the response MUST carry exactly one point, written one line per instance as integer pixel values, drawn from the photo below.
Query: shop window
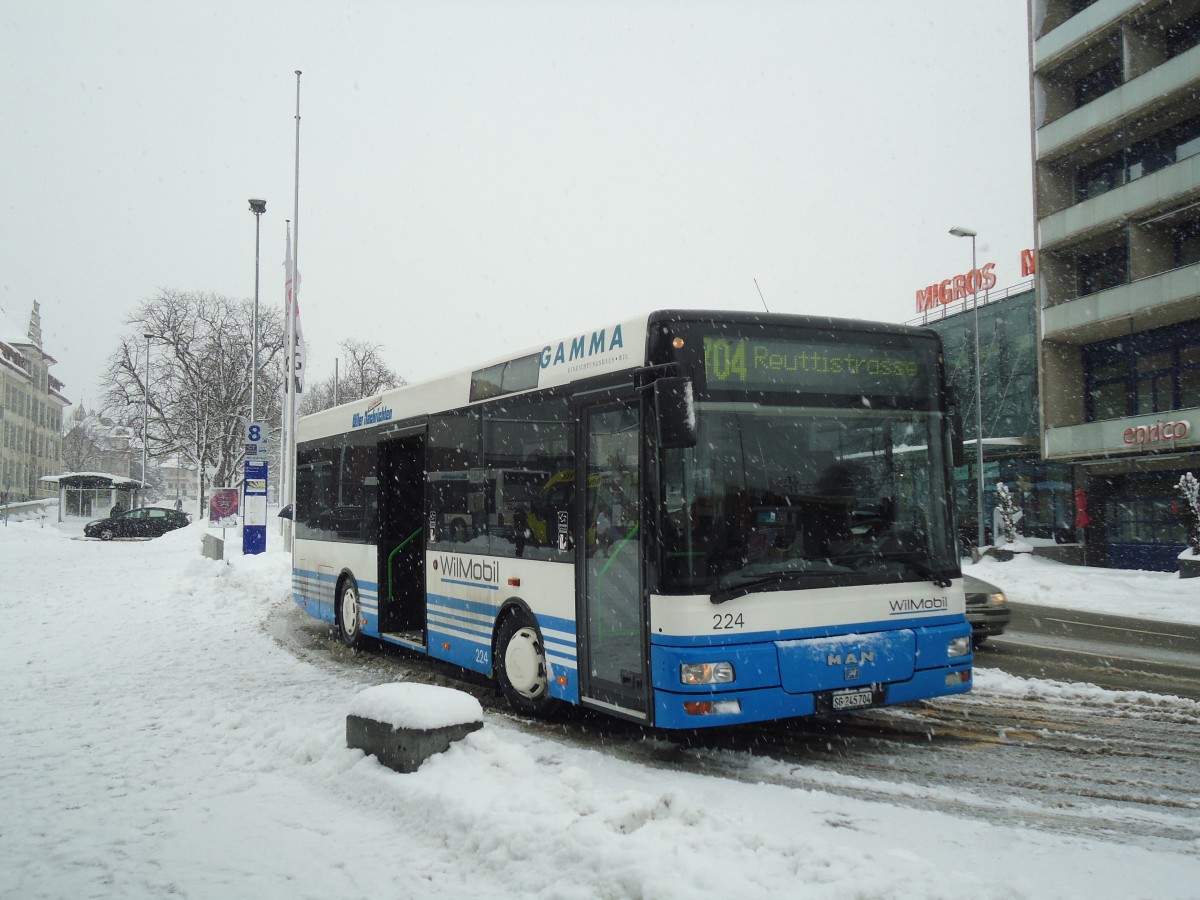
(1150, 364)
(1189, 377)
(1154, 394)
(1151, 372)
(1108, 400)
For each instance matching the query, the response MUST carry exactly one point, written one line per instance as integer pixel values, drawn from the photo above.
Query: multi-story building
(178, 483)
(1008, 413)
(94, 443)
(1115, 96)
(31, 410)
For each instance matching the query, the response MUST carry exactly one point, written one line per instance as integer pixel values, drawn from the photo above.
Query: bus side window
(454, 483)
(529, 456)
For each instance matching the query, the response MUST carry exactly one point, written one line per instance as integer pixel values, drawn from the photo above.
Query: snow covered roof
(92, 480)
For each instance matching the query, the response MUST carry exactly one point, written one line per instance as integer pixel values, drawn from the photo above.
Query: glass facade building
(1008, 351)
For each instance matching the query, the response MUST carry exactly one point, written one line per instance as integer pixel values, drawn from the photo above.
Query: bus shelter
(92, 495)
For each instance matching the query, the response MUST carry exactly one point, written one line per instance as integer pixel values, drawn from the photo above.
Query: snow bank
(1159, 596)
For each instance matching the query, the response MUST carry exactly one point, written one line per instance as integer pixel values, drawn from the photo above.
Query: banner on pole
(223, 507)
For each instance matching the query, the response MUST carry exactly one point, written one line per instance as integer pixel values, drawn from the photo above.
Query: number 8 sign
(256, 441)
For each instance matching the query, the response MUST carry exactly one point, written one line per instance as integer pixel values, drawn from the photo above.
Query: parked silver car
(987, 609)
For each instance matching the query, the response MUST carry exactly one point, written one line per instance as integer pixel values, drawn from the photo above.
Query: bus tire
(349, 613)
(520, 666)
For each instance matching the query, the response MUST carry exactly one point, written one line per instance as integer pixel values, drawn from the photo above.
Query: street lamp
(960, 231)
(258, 207)
(145, 415)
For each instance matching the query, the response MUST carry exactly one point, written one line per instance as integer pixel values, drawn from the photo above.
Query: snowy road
(173, 726)
(1065, 758)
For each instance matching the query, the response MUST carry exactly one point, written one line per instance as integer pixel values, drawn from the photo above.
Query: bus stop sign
(254, 520)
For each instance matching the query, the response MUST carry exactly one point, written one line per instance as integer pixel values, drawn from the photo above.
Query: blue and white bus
(721, 518)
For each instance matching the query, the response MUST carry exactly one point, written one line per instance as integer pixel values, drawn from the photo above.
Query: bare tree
(82, 448)
(199, 390)
(365, 375)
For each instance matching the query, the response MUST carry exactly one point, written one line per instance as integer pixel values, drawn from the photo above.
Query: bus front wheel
(520, 666)
(349, 614)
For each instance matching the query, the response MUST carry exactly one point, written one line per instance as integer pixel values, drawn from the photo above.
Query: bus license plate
(854, 698)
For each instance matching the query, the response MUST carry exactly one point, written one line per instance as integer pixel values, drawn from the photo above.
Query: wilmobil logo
(374, 414)
(919, 606)
(478, 572)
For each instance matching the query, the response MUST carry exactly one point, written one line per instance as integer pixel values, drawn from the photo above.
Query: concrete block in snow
(404, 724)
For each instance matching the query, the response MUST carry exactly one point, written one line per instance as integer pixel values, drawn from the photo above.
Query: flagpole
(292, 307)
(285, 425)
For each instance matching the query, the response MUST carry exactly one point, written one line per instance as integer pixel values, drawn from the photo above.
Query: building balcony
(1161, 432)
(1088, 25)
(1136, 199)
(1160, 86)
(1143, 304)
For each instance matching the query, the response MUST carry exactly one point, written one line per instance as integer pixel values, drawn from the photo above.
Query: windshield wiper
(775, 581)
(918, 565)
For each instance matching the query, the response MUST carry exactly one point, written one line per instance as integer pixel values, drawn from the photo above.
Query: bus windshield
(776, 497)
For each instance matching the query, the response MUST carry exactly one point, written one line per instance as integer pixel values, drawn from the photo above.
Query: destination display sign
(815, 367)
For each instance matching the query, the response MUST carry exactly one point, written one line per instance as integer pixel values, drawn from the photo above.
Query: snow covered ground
(155, 741)
(1160, 596)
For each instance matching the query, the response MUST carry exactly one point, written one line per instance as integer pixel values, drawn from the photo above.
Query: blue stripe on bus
(557, 623)
(473, 584)
(463, 637)
(474, 606)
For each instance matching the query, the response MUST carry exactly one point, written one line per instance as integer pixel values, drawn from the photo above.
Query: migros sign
(959, 287)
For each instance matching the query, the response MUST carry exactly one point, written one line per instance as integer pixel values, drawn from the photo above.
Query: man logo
(850, 673)
(850, 659)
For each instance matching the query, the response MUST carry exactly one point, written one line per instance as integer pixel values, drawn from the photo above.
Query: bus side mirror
(286, 512)
(676, 413)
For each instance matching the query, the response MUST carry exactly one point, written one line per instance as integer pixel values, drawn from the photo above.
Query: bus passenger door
(612, 615)
(401, 497)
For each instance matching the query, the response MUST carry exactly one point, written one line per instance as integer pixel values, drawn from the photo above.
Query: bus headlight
(706, 673)
(959, 646)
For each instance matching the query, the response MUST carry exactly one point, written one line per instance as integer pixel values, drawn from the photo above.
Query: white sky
(476, 178)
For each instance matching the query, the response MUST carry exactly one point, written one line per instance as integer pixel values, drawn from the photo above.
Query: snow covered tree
(199, 391)
(1008, 511)
(365, 375)
(1189, 492)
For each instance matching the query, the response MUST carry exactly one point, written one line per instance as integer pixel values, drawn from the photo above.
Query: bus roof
(615, 347)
